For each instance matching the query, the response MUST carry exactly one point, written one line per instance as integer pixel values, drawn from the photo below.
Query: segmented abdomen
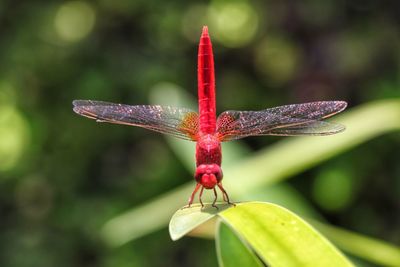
(206, 85)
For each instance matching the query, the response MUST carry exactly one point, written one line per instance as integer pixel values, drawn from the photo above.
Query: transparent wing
(312, 128)
(179, 122)
(297, 119)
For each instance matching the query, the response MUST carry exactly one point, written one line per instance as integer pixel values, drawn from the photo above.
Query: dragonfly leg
(192, 196)
(215, 199)
(200, 194)
(225, 194)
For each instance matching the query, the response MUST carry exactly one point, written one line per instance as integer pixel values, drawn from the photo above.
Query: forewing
(296, 119)
(179, 122)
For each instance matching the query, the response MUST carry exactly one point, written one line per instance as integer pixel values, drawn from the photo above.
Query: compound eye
(208, 170)
(208, 181)
(217, 171)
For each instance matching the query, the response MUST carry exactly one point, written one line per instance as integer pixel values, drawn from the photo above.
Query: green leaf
(364, 247)
(281, 238)
(187, 219)
(278, 236)
(232, 251)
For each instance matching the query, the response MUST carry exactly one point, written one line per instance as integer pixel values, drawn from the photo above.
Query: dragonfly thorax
(208, 175)
(208, 150)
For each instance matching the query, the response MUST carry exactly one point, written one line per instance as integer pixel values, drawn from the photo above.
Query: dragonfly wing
(296, 119)
(179, 122)
(312, 128)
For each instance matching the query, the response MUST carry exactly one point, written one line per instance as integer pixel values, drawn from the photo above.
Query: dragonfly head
(208, 175)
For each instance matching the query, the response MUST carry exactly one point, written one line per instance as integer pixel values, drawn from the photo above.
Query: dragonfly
(208, 130)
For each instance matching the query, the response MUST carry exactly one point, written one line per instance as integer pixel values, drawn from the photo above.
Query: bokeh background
(62, 177)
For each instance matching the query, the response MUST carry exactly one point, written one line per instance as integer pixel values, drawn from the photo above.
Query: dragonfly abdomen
(206, 84)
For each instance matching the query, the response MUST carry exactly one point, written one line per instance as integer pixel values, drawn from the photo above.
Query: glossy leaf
(281, 238)
(278, 236)
(187, 219)
(232, 251)
(364, 247)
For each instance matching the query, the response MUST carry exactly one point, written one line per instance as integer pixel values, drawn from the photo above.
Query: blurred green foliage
(62, 176)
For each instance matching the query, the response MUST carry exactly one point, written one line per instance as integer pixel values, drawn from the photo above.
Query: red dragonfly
(208, 130)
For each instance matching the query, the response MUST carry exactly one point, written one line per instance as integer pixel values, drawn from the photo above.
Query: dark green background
(62, 176)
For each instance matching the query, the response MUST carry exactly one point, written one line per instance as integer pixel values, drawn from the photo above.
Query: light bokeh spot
(170, 94)
(74, 20)
(14, 130)
(14, 134)
(234, 24)
(277, 59)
